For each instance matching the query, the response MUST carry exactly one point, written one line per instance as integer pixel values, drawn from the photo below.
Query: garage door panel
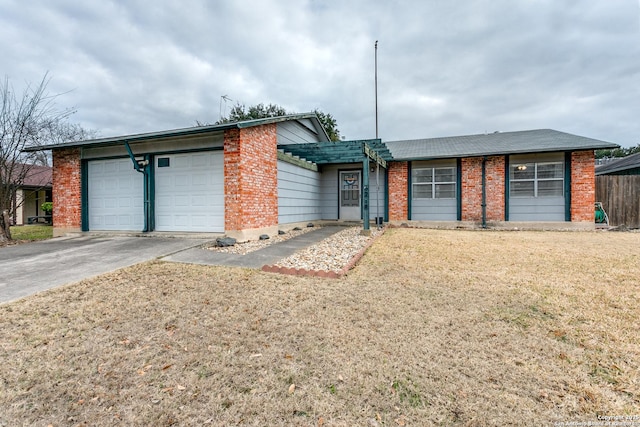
(115, 193)
(190, 193)
(200, 181)
(199, 161)
(182, 201)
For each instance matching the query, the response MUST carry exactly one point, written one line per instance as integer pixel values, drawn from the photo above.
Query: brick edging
(323, 273)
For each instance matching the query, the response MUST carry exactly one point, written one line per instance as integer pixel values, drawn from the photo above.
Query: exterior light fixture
(521, 167)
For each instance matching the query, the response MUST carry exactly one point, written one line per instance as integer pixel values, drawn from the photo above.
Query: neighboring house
(250, 178)
(629, 165)
(28, 196)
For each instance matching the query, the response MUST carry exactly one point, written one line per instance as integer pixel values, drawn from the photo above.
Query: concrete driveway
(33, 267)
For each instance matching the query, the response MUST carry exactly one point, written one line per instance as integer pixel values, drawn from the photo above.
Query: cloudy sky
(444, 67)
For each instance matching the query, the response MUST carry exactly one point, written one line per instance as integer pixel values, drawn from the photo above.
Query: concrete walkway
(265, 256)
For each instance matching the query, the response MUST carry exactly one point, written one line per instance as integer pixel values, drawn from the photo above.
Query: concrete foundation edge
(498, 225)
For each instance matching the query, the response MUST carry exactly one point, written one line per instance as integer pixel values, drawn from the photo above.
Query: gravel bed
(332, 253)
(254, 245)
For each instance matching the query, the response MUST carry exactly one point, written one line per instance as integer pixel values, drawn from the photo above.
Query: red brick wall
(472, 188)
(398, 191)
(583, 186)
(495, 188)
(251, 177)
(67, 188)
(471, 168)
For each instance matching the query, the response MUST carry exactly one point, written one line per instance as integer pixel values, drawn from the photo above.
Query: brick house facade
(246, 159)
(582, 189)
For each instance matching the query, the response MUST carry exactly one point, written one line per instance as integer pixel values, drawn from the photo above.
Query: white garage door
(115, 195)
(190, 192)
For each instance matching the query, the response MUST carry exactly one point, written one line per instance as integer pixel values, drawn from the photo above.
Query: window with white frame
(433, 183)
(536, 179)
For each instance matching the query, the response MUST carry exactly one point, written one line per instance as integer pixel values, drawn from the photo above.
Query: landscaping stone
(264, 237)
(223, 242)
(331, 254)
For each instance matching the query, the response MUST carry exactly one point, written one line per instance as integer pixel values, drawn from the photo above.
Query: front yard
(23, 233)
(433, 327)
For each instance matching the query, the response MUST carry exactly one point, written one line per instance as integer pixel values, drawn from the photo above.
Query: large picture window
(434, 183)
(536, 179)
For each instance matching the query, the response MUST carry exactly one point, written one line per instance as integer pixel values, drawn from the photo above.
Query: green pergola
(360, 151)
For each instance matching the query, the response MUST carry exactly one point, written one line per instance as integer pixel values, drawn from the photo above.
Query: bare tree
(26, 120)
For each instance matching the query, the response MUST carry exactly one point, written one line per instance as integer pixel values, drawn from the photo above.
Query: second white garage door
(189, 192)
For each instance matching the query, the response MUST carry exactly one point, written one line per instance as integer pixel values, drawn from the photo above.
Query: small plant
(47, 207)
(408, 392)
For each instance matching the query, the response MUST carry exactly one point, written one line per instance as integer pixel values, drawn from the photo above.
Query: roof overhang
(184, 132)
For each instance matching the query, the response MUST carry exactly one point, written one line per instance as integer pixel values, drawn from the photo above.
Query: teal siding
(299, 194)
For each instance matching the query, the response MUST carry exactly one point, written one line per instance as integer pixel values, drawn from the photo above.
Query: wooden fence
(620, 197)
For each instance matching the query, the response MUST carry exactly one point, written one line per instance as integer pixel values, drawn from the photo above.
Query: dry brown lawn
(432, 327)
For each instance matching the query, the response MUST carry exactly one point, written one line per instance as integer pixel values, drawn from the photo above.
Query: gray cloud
(445, 68)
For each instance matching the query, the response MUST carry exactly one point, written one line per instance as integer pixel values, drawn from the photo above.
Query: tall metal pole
(376, 84)
(377, 164)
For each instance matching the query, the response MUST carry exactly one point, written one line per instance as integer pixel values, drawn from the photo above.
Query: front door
(350, 195)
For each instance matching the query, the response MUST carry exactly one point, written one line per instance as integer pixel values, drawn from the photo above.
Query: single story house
(250, 178)
(27, 196)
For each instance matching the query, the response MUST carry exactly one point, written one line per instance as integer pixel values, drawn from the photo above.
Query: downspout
(459, 189)
(507, 186)
(567, 186)
(409, 191)
(150, 192)
(143, 168)
(84, 188)
(484, 192)
(386, 194)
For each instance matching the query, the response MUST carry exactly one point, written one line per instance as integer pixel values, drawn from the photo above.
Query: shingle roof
(31, 175)
(184, 132)
(38, 176)
(625, 163)
(530, 141)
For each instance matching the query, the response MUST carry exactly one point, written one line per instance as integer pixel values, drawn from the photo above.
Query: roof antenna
(376, 84)
(225, 98)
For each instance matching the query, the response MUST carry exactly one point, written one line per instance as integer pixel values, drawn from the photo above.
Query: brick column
(472, 188)
(251, 181)
(398, 191)
(495, 188)
(583, 186)
(67, 191)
